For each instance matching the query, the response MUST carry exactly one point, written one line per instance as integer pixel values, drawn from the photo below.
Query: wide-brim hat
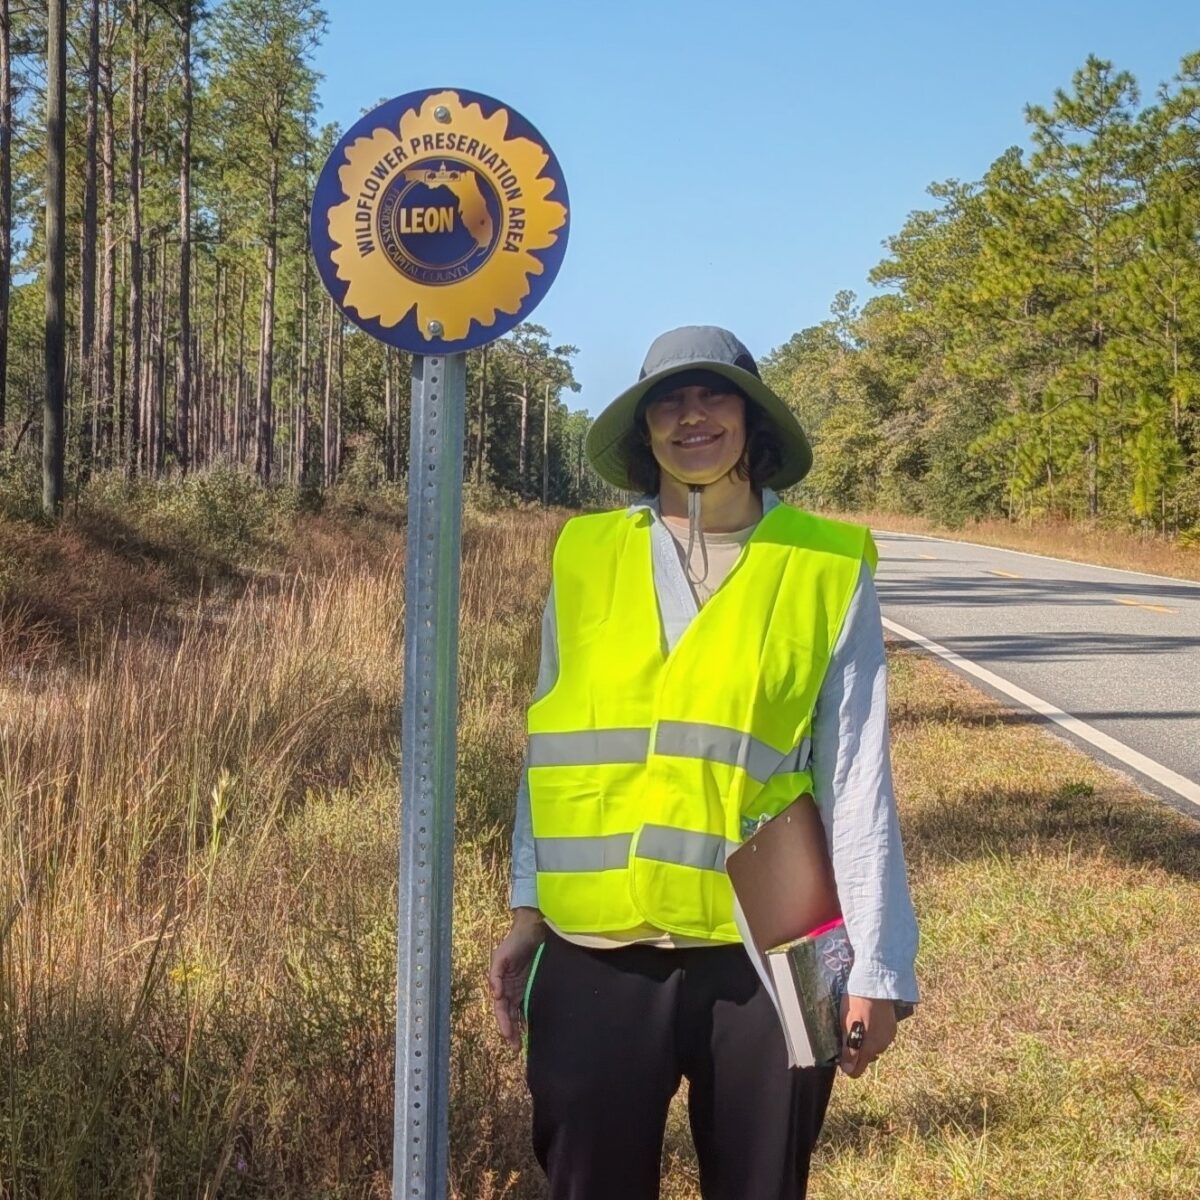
(613, 438)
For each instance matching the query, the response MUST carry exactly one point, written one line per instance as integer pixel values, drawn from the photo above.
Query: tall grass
(1093, 542)
(198, 884)
(171, 910)
(197, 874)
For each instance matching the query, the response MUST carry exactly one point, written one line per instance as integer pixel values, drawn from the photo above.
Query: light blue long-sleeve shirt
(852, 775)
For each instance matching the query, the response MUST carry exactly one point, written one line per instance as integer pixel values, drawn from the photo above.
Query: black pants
(612, 1032)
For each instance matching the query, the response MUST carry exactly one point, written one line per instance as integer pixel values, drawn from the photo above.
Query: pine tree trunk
(388, 401)
(146, 376)
(341, 395)
(5, 204)
(221, 322)
(483, 366)
(1174, 373)
(1093, 475)
(258, 379)
(160, 366)
(133, 450)
(327, 410)
(266, 368)
(546, 447)
(56, 258)
(400, 420)
(120, 389)
(403, 417)
(184, 376)
(213, 419)
(1093, 446)
(302, 403)
(239, 392)
(521, 452)
(87, 249)
(302, 470)
(302, 415)
(106, 374)
(201, 392)
(290, 451)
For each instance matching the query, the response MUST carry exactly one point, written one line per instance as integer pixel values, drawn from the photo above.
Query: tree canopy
(1035, 346)
(196, 330)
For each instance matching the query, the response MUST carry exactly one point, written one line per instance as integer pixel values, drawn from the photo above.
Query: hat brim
(611, 442)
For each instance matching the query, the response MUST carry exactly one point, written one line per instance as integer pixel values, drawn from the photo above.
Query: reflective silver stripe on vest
(608, 853)
(684, 847)
(718, 743)
(797, 759)
(588, 747)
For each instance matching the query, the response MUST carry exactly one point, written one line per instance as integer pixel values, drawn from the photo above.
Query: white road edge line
(1164, 776)
(1073, 562)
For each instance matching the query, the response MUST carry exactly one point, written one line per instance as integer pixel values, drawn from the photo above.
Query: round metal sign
(439, 221)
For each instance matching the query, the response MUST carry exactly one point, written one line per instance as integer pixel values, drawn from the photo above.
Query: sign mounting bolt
(435, 329)
(442, 114)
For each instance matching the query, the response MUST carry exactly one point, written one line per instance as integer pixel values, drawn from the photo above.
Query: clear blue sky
(736, 164)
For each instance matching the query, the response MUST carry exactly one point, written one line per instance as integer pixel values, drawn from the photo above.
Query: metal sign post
(438, 224)
(427, 749)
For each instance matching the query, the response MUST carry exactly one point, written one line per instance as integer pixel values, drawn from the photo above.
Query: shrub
(223, 515)
(20, 486)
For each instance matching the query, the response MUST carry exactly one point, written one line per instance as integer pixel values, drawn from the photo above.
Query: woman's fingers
(507, 1020)
(507, 988)
(877, 1022)
(499, 969)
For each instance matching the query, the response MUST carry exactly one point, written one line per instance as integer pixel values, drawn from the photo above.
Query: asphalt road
(1117, 650)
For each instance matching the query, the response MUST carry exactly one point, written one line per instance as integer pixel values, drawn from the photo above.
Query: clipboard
(783, 877)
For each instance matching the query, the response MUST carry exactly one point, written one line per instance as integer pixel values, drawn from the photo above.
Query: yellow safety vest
(646, 768)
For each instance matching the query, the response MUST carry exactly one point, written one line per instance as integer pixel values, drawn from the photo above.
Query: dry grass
(180, 943)
(197, 897)
(1151, 553)
(1054, 1054)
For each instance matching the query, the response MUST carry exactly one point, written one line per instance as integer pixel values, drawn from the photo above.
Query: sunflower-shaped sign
(439, 221)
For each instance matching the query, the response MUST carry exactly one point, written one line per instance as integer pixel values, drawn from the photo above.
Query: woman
(708, 655)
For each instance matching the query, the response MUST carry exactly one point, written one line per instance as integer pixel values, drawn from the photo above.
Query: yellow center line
(1152, 607)
(1006, 574)
(930, 557)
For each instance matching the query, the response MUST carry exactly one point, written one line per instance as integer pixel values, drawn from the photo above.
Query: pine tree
(56, 259)
(5, 204)
(265, 82)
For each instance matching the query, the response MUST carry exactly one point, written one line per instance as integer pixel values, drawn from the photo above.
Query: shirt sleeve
(523, 893)
(852, 784)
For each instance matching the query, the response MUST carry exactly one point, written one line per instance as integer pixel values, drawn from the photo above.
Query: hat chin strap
(695, 491)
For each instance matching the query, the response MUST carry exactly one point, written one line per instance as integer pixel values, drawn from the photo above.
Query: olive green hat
(613, 437)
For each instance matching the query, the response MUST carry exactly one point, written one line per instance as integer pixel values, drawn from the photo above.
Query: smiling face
(697, 433)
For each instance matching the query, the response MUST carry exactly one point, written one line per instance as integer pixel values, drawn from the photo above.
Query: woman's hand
(510, 970)
(879, 1021)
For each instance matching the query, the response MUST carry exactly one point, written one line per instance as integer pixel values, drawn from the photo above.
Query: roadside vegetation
(1078, 541)
(197, 885)
(1031, 351)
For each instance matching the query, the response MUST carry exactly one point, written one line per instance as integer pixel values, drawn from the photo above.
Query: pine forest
(1031, 349)
(171, 273)
(1035, 349)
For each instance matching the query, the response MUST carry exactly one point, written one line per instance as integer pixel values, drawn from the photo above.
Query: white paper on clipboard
(759, 961)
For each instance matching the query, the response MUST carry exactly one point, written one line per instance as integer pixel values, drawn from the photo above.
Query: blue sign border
(328, 193)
